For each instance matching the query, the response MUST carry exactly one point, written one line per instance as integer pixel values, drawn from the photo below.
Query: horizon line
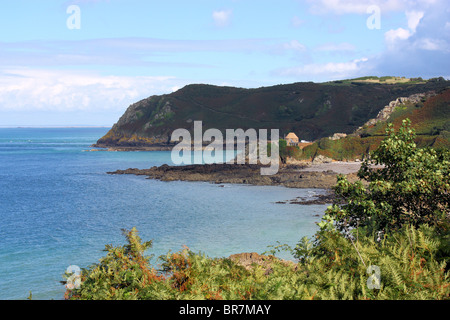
(53, 126)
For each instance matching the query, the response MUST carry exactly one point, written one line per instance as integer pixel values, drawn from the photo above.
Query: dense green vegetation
(330, 268)
(311, 110)
(385, 237)
(286, 151)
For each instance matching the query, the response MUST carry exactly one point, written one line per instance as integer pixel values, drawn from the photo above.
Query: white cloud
(414, 18)
(420, 49)
(431, 44)
(360, 6)
(354, 6)
(61, 90)
(330, 70)
(294, 45)
(222, 17)
(392, 36)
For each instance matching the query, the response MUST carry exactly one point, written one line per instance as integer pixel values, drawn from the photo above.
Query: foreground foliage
(386, 239)
(333, 269)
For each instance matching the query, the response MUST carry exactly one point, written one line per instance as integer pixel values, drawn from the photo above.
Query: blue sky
(124, 51)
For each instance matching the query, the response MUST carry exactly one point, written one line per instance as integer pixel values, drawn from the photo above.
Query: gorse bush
(385, 237)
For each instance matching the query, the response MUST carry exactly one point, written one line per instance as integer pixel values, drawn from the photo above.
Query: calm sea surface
(58, 207)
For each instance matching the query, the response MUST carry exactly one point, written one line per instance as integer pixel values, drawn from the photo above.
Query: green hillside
(430, 117)
(311, 110)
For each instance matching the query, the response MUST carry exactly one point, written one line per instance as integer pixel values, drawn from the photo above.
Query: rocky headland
(287, 176)
(311, 110)
(290, 176)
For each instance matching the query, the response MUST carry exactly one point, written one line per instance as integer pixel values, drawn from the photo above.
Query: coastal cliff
(311, 110)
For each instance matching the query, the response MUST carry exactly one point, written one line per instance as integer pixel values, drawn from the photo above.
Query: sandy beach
(340, 167)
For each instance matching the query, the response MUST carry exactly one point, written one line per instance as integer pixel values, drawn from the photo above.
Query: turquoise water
(58, 207)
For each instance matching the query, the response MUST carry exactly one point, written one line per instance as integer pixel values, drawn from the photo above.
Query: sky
(83, 62)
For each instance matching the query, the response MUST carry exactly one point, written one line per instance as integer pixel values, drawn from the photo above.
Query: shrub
(411, 187)
(338, 267)
(330, 268)
(123, 274)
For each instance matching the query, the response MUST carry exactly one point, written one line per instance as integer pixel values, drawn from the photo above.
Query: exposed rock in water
(327, 198)
(291, 176)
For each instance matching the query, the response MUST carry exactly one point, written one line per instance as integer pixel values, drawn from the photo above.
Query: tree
(401, 184)
(283, 150)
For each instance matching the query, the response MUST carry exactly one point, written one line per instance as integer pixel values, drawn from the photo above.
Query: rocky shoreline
(290, 176)
(327, 198)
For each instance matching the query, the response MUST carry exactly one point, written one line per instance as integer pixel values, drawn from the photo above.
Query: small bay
(58, 207)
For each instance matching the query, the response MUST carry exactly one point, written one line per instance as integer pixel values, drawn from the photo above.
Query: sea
(60, 208)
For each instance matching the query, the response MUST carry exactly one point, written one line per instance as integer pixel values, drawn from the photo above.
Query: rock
(386, 112)
(287, 176)
(319, 199)
(337, 136)
(321, 159)
(292, 161)
(249, 259)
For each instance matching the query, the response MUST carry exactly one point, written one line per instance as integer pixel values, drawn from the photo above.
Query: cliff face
(141, 125)
(386, 112)
(311, 110)
(428, 112)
